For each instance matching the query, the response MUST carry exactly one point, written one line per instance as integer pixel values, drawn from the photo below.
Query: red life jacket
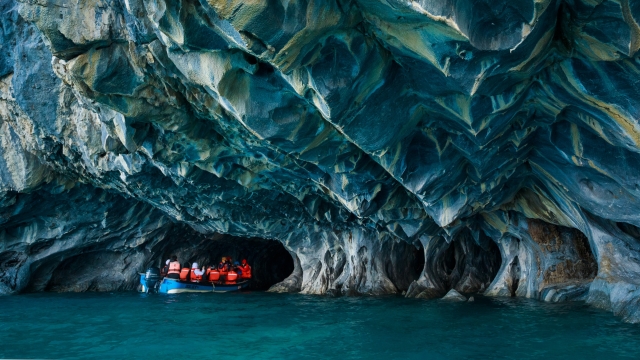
(174, 268)
(214, 275)
(222, 268)
(194, 277)
(232, 276)
(246, 271)
(183, 274)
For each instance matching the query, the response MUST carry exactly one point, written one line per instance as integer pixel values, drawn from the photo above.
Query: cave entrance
(513, 280)
(449, 259)
(270, 262)
(99, 269)
(419, 261)
(566, 254)
(405, 263)
(464, 264)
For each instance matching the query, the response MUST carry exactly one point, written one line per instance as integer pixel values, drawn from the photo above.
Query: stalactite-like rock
(500, 139)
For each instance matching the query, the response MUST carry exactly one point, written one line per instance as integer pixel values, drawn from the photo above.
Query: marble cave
(352, 147)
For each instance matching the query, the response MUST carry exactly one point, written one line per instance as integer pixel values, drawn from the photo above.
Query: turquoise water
(281, 326)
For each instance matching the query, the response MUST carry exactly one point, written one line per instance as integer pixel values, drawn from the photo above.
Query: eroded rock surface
(501, 138)
(455, 296)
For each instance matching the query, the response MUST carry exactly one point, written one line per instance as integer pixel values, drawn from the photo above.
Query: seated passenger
(237, 269)
(196, 274)
(173, 271)
(165, 269)
(184, 273)
(222, 266)
(246, 270)
(232, 276)
(213, 274)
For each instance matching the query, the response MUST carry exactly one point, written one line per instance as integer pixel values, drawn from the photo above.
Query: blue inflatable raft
(174, 286)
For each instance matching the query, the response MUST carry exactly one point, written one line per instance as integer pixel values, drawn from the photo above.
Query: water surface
(259, 325)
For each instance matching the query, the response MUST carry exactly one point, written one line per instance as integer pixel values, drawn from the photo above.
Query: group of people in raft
(226, 271)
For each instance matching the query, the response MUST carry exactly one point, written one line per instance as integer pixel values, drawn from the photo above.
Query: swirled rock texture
(501, 138)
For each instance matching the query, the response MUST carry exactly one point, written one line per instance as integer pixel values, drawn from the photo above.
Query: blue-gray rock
(453, 295)
(499, 138)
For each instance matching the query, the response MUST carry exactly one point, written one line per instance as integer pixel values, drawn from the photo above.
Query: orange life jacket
(223, 269)
(214, 275)
(183, 274)
(174, 268)
(194, 277)
(246, 271)
(232, 276)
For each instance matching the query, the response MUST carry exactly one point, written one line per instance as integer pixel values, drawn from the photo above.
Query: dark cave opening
(514, 276)
(449, 259)
(100, 269)
(464, 264)
(405, 264)
(418, 263)
(269, 260)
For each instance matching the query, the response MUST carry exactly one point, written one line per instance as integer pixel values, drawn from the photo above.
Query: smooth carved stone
(453, 295)
(484, 146)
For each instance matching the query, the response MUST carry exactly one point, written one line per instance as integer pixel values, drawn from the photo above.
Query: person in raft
(246, 270)
(211, 268)
(222, 266)
(196, 274)
(174, 268)
(165, 268)
(237, 268)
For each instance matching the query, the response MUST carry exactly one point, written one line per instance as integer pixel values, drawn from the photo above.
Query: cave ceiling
(405, 116)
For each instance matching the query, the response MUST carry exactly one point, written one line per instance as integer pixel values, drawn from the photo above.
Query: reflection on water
(261, 325)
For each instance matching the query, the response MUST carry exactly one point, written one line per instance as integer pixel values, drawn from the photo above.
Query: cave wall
(101, 238)
(351, 131)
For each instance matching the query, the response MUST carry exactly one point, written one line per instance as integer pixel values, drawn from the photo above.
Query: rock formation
(500, 138)
(454, 296)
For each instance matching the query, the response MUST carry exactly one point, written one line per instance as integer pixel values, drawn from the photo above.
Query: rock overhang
(341, 127)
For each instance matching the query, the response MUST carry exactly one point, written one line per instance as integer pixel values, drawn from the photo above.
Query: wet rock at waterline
(388, 147)
(453, 295)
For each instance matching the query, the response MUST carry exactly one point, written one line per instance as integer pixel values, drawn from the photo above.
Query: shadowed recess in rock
(270, 262)
(461, 264)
